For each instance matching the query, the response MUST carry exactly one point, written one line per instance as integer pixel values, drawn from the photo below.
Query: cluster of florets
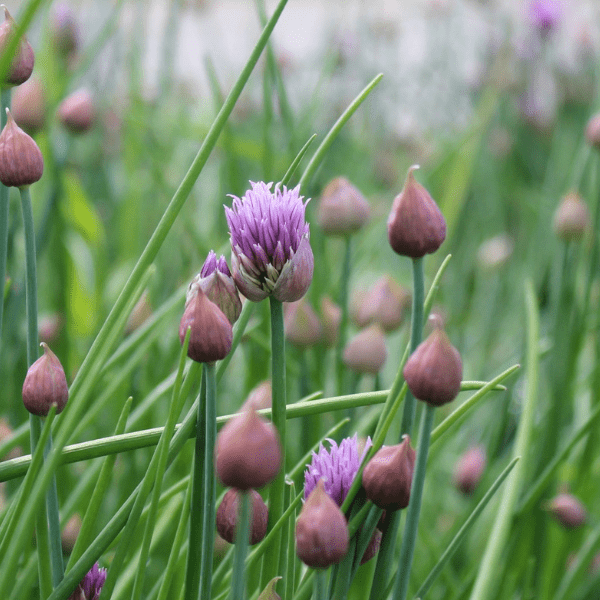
(91, 585)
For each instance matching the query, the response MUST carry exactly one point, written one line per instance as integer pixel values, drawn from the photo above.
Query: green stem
(414, 507)
(277, 492)
(242, 530)
(193, 569)
(343, 302)
(416, 336)
(209, 482)
(320, 583)
(49, 543)
(4, 192)
(385, 555)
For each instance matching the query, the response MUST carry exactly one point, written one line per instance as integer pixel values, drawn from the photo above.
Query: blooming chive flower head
(91, 585)
(336, 467)
(545, 14)
(271, 253)
(216, 282)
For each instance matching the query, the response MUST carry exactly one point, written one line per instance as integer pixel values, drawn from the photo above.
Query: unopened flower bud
(321, 531)
(28, 106)
(49, 327)
(385, 303)
(567, 510)
(366, 352)
(269, 592)
(433, 372)
(469, 469)
(343, 210)
(571, 218)
(592, 131)
(387, 478)
(22, 64)
(139, 314)
(373, 548)
(228, 512)
(21, 162)
(65, 36)
(302, 325)
(69, 534)
(247, 452)
(77, 112)
(45, 384)
(6, 433)
(415, 226)
(494, 252)
(259, 397)
(331, 317)
(211, 334)
(216, 282)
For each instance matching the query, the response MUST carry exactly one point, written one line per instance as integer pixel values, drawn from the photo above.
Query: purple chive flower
(216, 282)
(545, 14)
(271, 253)
(337, 467)
(91, 585)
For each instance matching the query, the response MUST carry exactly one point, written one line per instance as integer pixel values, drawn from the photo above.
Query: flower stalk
(4, 104)
(241, 547)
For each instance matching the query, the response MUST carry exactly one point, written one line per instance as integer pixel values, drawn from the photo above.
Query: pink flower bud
(28, 106)
(22, 63)
(247, 452)
(302, 325)
(469, 469)
(45, 384)
(387, 477)
(321, 531)
(366, 352)
(228, 512)
(211, 336)
(77, 112)
(433, 372)
(343, 210)
(567, 510)
(331, 317)
(21, 162)
(415, 226)
(571, 218)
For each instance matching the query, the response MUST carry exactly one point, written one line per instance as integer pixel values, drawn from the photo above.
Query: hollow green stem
(194, 558)
(416, 336)
(4, 104)
(343, 302)
(320, 583)
(238, 591)
(209, 482)
(277, 492)
(384, 558)
(49, 543)
(414, 507)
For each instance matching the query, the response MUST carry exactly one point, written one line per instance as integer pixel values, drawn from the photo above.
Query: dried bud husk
(28, 106)
(571, 218)
(269, 592)
(343, 210)
(567, 510)
(69, 534)
(211, 336)
(22, 64)
(77, 112)
(415, 226)
(321, 531)
(366, 352)
(247, 452)
(433, 372)
(469, 469)
(64, 30)
(228, 511)
(259, 397)
(302, 325)
(45, 384)
(592, 131)
(385, 303)
(331, 317)
(387, 477)
(21, 162)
